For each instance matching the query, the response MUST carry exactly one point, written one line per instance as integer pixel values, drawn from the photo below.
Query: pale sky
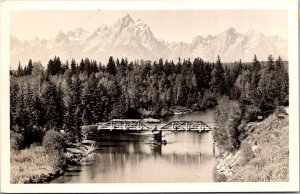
(171, 26)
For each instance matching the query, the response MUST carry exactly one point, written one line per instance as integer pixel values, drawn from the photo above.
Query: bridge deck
(183, 125)
(139, 125)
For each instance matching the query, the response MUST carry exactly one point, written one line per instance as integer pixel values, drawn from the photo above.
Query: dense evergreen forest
(71, 94)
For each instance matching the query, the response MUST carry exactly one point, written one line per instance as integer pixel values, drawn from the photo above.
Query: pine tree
(29, 67)
(217, 83)
(21, 115)
(76, 91)
(255, 77)
(87, 115)
(78, 123)
(118, 63)
(267, 92)
(198, 70)
(69, 118)
(14, 93)
(256, 65)
(50, 68)
(81, 66)
(282, 79)
(74, 110)
(170, 97)
(87, 66)
(20, 70)
(39, 110)
(89, 96)
(52, 113)
(270, 63)
(94, 68)
(29, 108)
(60, 106)
(57, 66)
(279, 64)
(101, 104)
(73, 66)
(111, 67)
(182, 91)
(67, 65)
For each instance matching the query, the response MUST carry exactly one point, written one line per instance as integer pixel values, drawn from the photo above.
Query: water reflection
(188, 157)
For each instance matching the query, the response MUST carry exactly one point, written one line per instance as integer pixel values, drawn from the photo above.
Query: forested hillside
(70, 94)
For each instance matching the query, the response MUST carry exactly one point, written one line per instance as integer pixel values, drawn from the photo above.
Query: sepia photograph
(150, 94)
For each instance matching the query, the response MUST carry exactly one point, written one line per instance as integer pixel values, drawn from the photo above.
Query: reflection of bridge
(139, 125)
(174, 158)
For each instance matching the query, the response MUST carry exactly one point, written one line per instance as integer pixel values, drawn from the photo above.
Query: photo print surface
(127, 96)
(160, 96)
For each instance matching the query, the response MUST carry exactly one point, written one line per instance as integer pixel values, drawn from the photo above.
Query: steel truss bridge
(139, 125)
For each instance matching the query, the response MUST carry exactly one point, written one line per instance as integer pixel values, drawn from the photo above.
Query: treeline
(68, 95)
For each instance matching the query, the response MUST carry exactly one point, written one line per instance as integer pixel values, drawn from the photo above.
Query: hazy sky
(173, 25)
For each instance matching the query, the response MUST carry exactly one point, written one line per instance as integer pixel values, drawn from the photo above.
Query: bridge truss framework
(139, 125)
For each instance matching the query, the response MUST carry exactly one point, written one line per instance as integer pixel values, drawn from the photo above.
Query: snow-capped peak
(135, 40)
(231, 30)
(77, 34)
(125, 21)
(252, 32)
(61, 37)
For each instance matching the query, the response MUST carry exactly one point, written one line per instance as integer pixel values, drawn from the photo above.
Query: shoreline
(46, 178)
(172, 111)
(224, 165)
(38, 170)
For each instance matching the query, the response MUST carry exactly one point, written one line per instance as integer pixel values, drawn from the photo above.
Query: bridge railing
(138, 124)
(186, 125)
(124, 124)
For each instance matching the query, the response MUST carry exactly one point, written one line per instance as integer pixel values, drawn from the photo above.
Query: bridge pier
(156, 136)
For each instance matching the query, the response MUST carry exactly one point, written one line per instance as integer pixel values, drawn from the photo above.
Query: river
(188, 157)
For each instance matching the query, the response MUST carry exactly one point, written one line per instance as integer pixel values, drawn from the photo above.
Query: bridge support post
(156, 136)
(186, 126)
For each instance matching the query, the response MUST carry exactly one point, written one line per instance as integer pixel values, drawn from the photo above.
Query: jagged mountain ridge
(135, 40)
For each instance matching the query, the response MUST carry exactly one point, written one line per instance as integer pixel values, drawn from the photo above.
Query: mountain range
(135, 40)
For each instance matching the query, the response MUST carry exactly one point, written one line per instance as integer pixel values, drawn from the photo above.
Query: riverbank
(34, 165)
(172, 111)
(264, 153)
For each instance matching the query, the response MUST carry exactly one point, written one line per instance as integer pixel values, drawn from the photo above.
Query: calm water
(188, 157)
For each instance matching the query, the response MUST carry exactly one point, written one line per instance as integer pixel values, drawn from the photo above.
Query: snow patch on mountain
(135, 40)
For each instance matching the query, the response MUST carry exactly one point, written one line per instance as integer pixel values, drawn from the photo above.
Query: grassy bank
(32, 165)
(264, 153)
(39, 161)
(35, 165)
